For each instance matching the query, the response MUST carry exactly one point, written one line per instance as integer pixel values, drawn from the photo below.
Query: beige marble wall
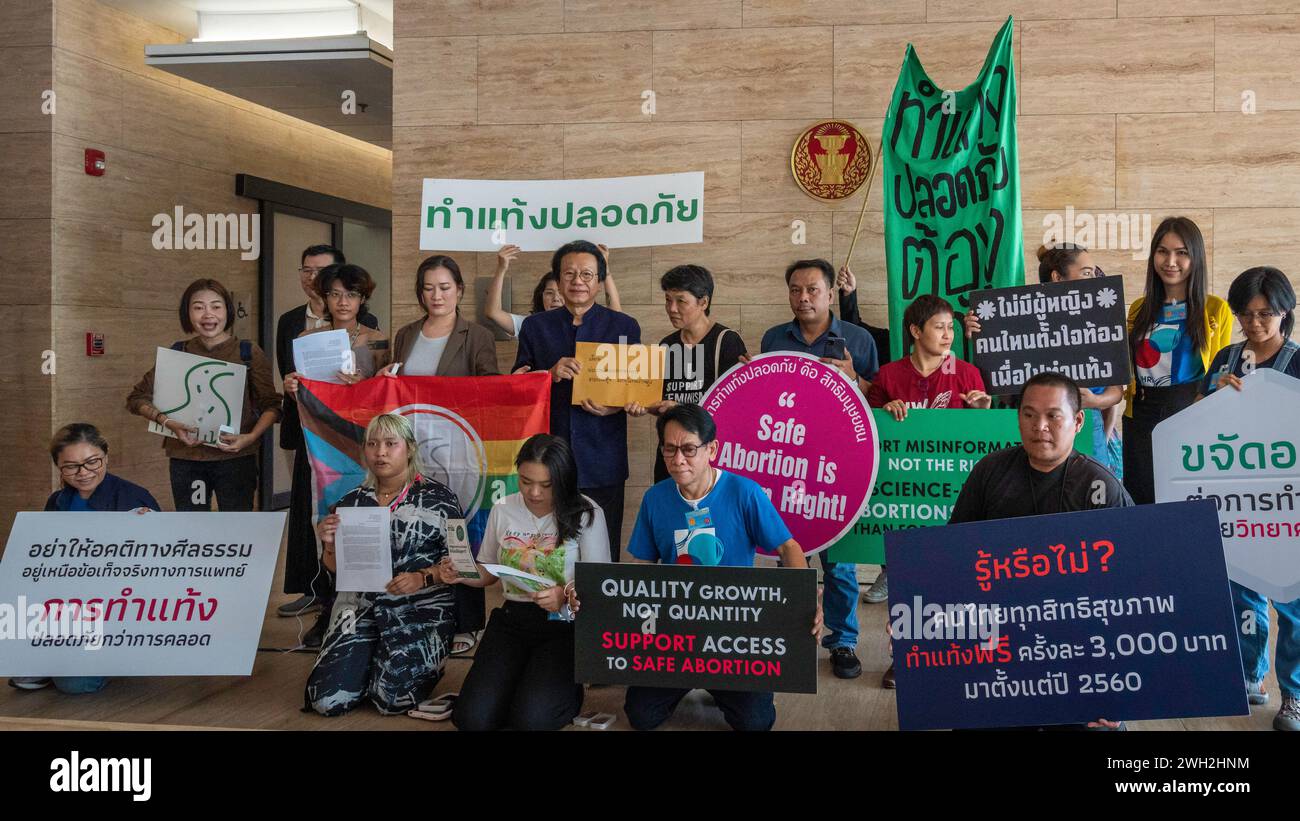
(1127, 107)
(76, 250)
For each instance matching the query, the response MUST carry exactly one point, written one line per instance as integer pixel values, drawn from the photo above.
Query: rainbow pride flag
(468, 430)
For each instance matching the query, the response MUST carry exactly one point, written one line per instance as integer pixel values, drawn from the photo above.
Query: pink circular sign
(801, 430)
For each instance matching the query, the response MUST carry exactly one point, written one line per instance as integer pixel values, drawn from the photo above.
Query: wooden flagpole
(876, 160)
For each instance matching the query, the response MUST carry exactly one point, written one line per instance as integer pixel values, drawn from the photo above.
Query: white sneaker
(878, 591)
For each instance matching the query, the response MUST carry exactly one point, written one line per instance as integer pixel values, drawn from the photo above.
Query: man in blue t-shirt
(707, 516)
(815, 330)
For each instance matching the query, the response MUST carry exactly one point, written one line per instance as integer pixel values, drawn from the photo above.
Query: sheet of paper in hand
(321, 356)
(205, 393)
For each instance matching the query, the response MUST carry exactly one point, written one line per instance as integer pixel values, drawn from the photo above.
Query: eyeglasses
(351, 296)
(91, 465)
(1261, 316)
(689, 451)
(570, 276)
(309, 270)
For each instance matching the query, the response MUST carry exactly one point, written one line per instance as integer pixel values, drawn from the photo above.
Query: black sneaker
(300, 606)
(844, 663)
(316, 635)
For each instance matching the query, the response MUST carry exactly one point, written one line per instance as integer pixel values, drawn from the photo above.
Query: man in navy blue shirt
(548, 342)
(816, 330)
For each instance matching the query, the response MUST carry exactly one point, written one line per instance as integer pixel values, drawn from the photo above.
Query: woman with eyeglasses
(548, 342)
(1175, 329)
(1264, 303)
(227, 469)
(80, 452)
(345, 289)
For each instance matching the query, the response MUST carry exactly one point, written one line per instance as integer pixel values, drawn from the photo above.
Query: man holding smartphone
(817, 331)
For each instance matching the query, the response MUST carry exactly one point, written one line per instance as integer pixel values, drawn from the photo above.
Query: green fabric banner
(952, 188)
(924, 461)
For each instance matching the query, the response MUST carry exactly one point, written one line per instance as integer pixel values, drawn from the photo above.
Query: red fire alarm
(95, 162)
(94, 344)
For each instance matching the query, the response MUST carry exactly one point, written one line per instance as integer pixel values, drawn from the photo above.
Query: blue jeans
(840, 603)
(79, 685)
(1254, 646)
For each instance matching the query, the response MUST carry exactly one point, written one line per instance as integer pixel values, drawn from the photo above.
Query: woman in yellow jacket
(1174, 331)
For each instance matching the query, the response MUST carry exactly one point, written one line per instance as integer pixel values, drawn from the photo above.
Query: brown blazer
(471, 349)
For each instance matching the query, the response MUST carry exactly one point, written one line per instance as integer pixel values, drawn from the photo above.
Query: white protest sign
(542, 215)
(201, 392)
(1239, 449)
(129, 594)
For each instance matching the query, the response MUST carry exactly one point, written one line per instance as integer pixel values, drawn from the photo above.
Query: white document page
(362, 551)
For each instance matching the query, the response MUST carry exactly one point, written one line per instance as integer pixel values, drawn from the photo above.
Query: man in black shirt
(1043, 474)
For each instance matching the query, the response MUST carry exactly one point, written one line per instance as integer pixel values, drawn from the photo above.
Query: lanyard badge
(1174, 313)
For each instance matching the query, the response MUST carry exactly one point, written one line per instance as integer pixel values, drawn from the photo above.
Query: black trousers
(610, 499)
(303, 572)
(232, 481)
(648, 707)
(522, 676)
(1151, 406)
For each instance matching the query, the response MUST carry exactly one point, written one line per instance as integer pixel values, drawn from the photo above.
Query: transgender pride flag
(468, 430)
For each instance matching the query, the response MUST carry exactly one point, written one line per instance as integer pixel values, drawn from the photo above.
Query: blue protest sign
(1121, 613)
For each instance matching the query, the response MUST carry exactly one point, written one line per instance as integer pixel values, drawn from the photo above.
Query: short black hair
(693, 279)
(579, 246)
(353, 277)
(693, 418)
(317, 250)
(922, 309)
(1053, 379)
(828, 271)
(1269, 283)
(206, 285)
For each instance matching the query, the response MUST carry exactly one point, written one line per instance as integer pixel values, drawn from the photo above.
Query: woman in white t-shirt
(522, 677)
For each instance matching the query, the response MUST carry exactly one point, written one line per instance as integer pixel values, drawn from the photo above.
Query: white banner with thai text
(542, 215)
(131, 594)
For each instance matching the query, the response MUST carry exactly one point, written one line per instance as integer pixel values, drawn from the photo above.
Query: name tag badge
(698, 518)
(1174, 313)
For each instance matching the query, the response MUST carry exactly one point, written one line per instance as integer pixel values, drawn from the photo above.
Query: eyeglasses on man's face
(571, 276)
(689, 451)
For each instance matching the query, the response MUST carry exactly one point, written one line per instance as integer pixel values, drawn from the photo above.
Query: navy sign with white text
(1121, 613)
